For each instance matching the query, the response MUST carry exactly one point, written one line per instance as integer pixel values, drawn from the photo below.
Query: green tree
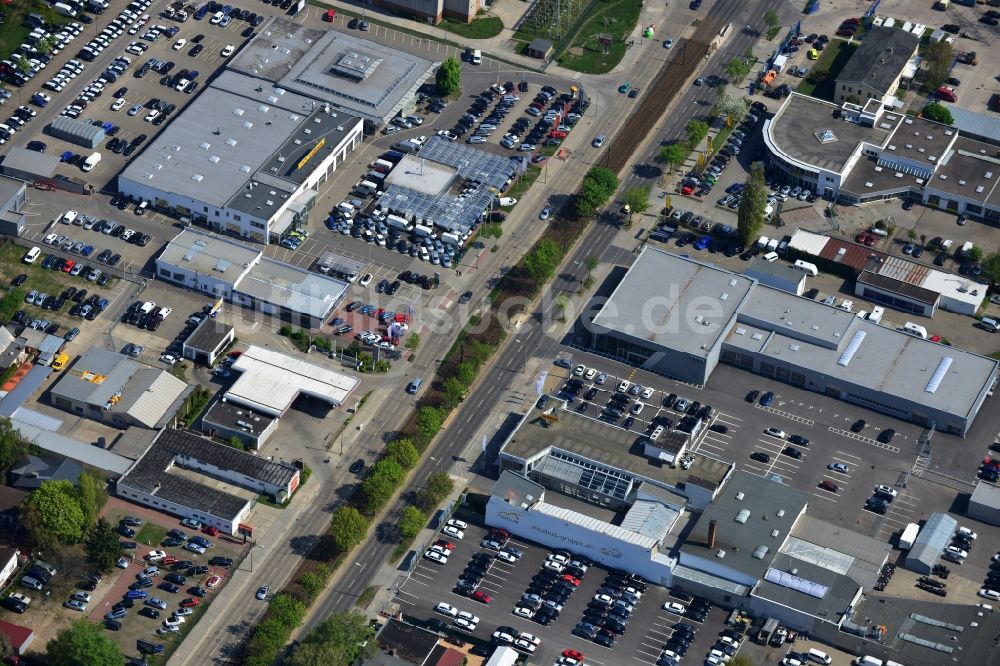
(449, 76)
(637, 200)
(543, 260)
(735, 108)
(412, 521)
(430, 420)
(287, 610)
(975, 253)
(22, 64)
(413, 341)
(599, 185)
(347, 527)
(55, 510)
(697, 130)
(991, 267)
(440, 485)
(492, 230)
(9, 306)
(737, 69)
(911, 234)
(236, 443)
(345, 639)
(750, 215)
(103, 546)
(453, 390)
(591, 263)
(741, 660)
(674, 154)
(403, 452)
(466, 373)
(381, 483)
(83, 643)
(938, 57)
(771, 19)
(44, 45)
(938, 113)
(13, 447)
(92, 494)
(314, 581)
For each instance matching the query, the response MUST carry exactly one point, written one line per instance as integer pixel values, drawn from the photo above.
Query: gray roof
(237, 132)
(802, 332)
(101, 377)
(201, 252)
(70, 447)
(30, 161)
(514, 488)
(682, 573)
(880, 59)
(78, 131)
(235, 417)
(651, 519)
(152, 474)
(291, 287)
(969, 170)
(792, 132)
(208, 335)
(540, 45)
(36, 470)
(10, 188)
(986, 495)
(751, 513)
(760, 268)
(362, 77)
(856, 555)
(975, 124)
(837, 591)
(671, 301)
(612, 447)
(930, 543)
(411, 643)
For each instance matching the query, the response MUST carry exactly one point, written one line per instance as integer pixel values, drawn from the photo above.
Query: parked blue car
(702, 243)
(136, 594)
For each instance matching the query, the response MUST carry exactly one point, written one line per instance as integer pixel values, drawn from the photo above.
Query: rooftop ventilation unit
(742, 516)
(231, 142)
(852, 348)
(214, 159)
(759, 552)
(238, 111)
(206, 145)
(740, 496)
(939, 373)
(247, 124)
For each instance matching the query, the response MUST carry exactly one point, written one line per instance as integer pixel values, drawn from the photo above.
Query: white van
(92, 161)
(807, 267)
(477, 57)
(347, 209)
(865, 660)
(876, 315)
(819, 656)
(770, 256)
(916, 330)
(31, 255)
(989, 324)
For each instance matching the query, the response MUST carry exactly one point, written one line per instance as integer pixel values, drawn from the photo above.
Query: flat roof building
(244, 158)
(672, 323)
(351, 74)
(788, 338)
(984, 505)
(778, 275)
(270, 381)
(115, 389)
(180, 473)
(207, 341)
(226, 420)
(225, 268)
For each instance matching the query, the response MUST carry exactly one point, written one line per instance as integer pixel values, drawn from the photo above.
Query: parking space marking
(862, 438)
(826, 497)
(787, 415)
(838, 479)
(847, 455)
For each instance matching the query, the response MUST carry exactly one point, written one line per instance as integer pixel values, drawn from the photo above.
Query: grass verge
(151, 535)
(366, 598)
(581, 51)
(483, 27)
(821, 82)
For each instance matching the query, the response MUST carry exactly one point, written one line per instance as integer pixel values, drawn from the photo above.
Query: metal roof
(77, 131)
(200, 252)
(974, 124)
(29, 162)
(270, 381)
(290, 287)
(650, 519)
(596, 525)
(934, 536)
(516, 489)
(69, 447)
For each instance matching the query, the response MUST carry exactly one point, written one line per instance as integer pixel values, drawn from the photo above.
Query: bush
(412, 521)
(403, 452)
(313, 582)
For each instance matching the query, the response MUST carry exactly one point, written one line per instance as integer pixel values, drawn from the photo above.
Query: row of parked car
(129, 20)
(609, 611)
(28, 60)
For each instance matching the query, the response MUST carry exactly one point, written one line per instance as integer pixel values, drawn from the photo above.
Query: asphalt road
(531, 338)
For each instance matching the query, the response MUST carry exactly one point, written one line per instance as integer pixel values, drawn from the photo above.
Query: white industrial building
(270, 382)
(227, 269)
(245, 158)
(698, 315)
(166, 477)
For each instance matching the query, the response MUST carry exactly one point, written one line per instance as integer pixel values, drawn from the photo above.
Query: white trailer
(909, 536)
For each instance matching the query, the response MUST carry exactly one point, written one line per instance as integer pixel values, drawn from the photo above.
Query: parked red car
(209, 530)
(481, 597)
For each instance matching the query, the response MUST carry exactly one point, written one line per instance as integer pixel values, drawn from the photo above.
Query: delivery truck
(909, 536)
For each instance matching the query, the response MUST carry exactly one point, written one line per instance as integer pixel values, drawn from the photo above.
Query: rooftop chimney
(712, 529)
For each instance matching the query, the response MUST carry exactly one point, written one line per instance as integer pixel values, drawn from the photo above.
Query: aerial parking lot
(515, 592)
(836, 452)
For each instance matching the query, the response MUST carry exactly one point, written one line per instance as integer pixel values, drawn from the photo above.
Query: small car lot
(506, 585)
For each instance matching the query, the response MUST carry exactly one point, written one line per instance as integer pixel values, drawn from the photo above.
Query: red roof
(18, 636)
(451, 657)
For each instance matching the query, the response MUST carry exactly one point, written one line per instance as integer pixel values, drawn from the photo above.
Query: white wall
(224, 524)
(557, 533)
(241, 480)
(9, 567)
(200, 281)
